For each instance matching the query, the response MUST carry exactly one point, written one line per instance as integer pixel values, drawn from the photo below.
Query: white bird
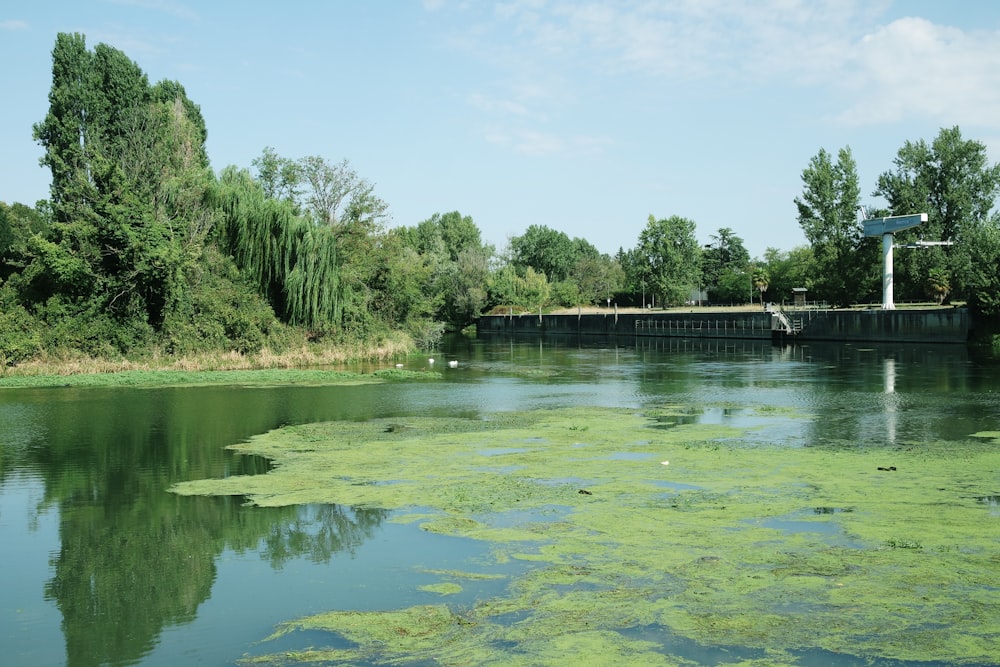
(453, 364)
(399, 365)
(431, 360)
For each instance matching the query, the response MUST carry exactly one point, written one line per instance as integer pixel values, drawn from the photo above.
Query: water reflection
(132, 558)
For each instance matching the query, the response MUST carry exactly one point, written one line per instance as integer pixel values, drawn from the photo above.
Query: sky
(585, 117)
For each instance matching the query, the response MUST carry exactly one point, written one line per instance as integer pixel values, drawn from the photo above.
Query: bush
(20, 335)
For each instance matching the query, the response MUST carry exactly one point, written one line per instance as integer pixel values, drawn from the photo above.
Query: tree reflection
(322, 532)
(134, 558)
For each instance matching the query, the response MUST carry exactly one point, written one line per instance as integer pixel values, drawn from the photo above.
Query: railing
(717, 328)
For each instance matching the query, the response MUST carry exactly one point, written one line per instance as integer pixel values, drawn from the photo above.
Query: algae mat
(647, 537)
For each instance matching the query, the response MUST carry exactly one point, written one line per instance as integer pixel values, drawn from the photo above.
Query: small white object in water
(453, 364)
(664, 463)
(399, 365)
(431, 360)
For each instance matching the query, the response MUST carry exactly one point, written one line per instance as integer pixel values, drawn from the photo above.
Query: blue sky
(585, 117)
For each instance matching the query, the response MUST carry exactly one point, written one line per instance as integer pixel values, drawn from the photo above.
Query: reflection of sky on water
(29, 624)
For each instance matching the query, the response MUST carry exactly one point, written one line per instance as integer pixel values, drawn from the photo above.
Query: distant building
(799, 297)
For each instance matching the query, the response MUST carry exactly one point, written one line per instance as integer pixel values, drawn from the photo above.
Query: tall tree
(847, 262)
(952, 181)
(128, 174)
(668, 256)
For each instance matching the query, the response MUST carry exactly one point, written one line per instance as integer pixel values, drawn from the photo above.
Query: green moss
(882, 554)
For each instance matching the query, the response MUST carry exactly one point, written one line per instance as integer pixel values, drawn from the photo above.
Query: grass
(224, 367)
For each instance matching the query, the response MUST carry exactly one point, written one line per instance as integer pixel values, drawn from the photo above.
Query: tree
(788, 270)
(668, 258)
(938, 285)
(723, 260)
(976, 259)
(597, 278)
(459, 262)
(509, 288)
(466, 290)
(280, 177)
(447, 234)
(292, 261)
(129, 172)
(760, 280)
(725, 252)
(950, 180)
(847, 262)
(546, 251)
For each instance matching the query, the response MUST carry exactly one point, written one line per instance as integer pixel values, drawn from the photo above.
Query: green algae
(443, 588)
(877, 553)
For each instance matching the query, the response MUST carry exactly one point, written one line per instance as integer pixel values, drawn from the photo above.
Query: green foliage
(668, 258)
(731, 286)
(6, 233)
(950, 180)
(596, 277)
(546, 251)
(977, 259)
(20, 332)
(223, 311)
(726, 254)
(565, 293)
(293, 262)
(466, 287)
(761, 280)
(788, 270)
(129, 175)
(847, 262)
(527, 292)
(280, 177)
(458, 266)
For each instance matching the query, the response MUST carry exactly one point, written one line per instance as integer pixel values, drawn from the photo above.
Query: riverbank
(155, 368)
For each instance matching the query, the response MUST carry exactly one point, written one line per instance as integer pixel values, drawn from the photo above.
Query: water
(100, 565)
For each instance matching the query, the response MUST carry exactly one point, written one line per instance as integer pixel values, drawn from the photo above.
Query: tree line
(142, 247)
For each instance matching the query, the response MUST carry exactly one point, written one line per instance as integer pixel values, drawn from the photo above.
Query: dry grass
(305, 356)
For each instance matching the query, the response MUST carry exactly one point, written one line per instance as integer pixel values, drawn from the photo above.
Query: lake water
(101, 565)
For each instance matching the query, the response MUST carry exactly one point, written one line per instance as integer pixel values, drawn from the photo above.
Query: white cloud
(13, 24)
(854, 65)
(913, 67)
(545, 144)
(492, 105)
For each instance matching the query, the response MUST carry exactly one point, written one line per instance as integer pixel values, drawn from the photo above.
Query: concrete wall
(685, 325)
(920, 326)
(949, 325)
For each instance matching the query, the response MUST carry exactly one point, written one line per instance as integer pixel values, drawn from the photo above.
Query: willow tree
(293, 261)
